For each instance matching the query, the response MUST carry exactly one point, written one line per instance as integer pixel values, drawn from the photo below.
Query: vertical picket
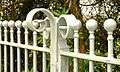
(110, 26)
(91, 26)
(18, 25)
(76, 47)
(54, 46)
(44, 55)
(34, 52)
(0, 47)
(11, 25)
(5, 24)
(24, 24)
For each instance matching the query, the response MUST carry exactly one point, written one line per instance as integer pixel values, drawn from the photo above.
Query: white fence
(57, 30)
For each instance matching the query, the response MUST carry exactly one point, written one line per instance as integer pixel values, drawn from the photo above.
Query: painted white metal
(110, 26)
(91, 58)
(44, 55)
(65, 26)
(53, 34)
(30, 47)
(76, 47)
(0, 47)
(5, 24)
(18, 25)
(24, 24)
(11, 25)
(34, 52)
(91, 26)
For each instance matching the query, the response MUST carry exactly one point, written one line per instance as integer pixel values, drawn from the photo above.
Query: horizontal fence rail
(16, 46)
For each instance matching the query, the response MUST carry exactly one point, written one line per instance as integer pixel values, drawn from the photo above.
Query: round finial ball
(18, 23)
(110, 25)
(0, 23)
(5, 23)
(78, 24)
(24, 24)
(91, 25)
(11, 23)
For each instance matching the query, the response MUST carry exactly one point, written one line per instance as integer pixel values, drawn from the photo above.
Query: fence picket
(91, 26)
(110, 26)
(34, 52)
(76, 46)
(5, 24)
(18, 25)
(11, 25)
(24, 24)
(44, 55)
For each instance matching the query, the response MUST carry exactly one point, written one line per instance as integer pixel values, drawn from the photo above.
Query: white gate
(57, 30)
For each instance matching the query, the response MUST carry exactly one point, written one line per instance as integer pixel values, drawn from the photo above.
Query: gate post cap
(110, 25)
(91, 24)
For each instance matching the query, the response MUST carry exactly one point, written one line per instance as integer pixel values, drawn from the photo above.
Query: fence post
(110, 26)
(53, 34)
(18, 25)
(5, 25)
(91, 26)
(11, 24)
(76, 44)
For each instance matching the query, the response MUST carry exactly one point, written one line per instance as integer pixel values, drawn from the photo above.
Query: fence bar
(0, 47)
(44, 55)
(26, 46)
(34, 52)
(18, 25)
(110, 26)
(11, 25)
(5, 23)
(76, 46)
(24, 24)
(92, 58)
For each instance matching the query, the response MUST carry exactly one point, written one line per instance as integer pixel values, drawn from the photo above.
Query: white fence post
(24, 24)
(76, 43)
(35, 44)
(18, 25)
(11, 25)
(110, 26)
(91, 26)
(5, 24)
(53, 34)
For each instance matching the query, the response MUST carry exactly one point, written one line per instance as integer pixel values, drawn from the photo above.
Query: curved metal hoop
(67, 24)
(30, 15)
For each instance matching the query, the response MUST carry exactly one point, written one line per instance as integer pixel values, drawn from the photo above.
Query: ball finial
(5, 23)
(110, 25)
(91, 25)
(24, 24)
(18, 23)
(78, 25)
(11, 23)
